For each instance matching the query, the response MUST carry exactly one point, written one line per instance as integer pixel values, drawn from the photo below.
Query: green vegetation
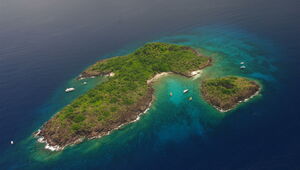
(122, 96)
(224, 93)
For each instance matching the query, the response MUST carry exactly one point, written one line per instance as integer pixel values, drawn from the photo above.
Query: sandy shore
(196, 74)
(157, 76)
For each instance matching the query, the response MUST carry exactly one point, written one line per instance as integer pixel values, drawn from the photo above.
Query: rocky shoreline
(131, 115)
(231, 100)
(240, 101)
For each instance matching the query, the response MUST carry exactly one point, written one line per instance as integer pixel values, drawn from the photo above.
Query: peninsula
(226, 92)
(123, 97)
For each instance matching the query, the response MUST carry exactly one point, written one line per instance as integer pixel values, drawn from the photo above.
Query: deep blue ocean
(45, 44)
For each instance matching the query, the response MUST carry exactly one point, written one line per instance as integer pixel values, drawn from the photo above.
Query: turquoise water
(173, 124)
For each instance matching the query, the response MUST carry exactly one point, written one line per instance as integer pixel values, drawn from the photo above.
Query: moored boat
(69, 89)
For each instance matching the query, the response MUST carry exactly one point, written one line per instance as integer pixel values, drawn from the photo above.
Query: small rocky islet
(128, 92)
(226, 92)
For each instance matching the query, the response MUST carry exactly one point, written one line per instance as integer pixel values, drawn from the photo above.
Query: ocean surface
(46, 44)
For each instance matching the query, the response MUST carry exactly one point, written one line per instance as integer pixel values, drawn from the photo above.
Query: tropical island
(226, 92)
(123, 97)
(128, 92)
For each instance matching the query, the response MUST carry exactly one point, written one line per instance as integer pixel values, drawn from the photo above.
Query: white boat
(185, 91)
(190, 98)
(69, 89)
(85, 83)
(242, 67)
(11, 142)
(242, 63)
